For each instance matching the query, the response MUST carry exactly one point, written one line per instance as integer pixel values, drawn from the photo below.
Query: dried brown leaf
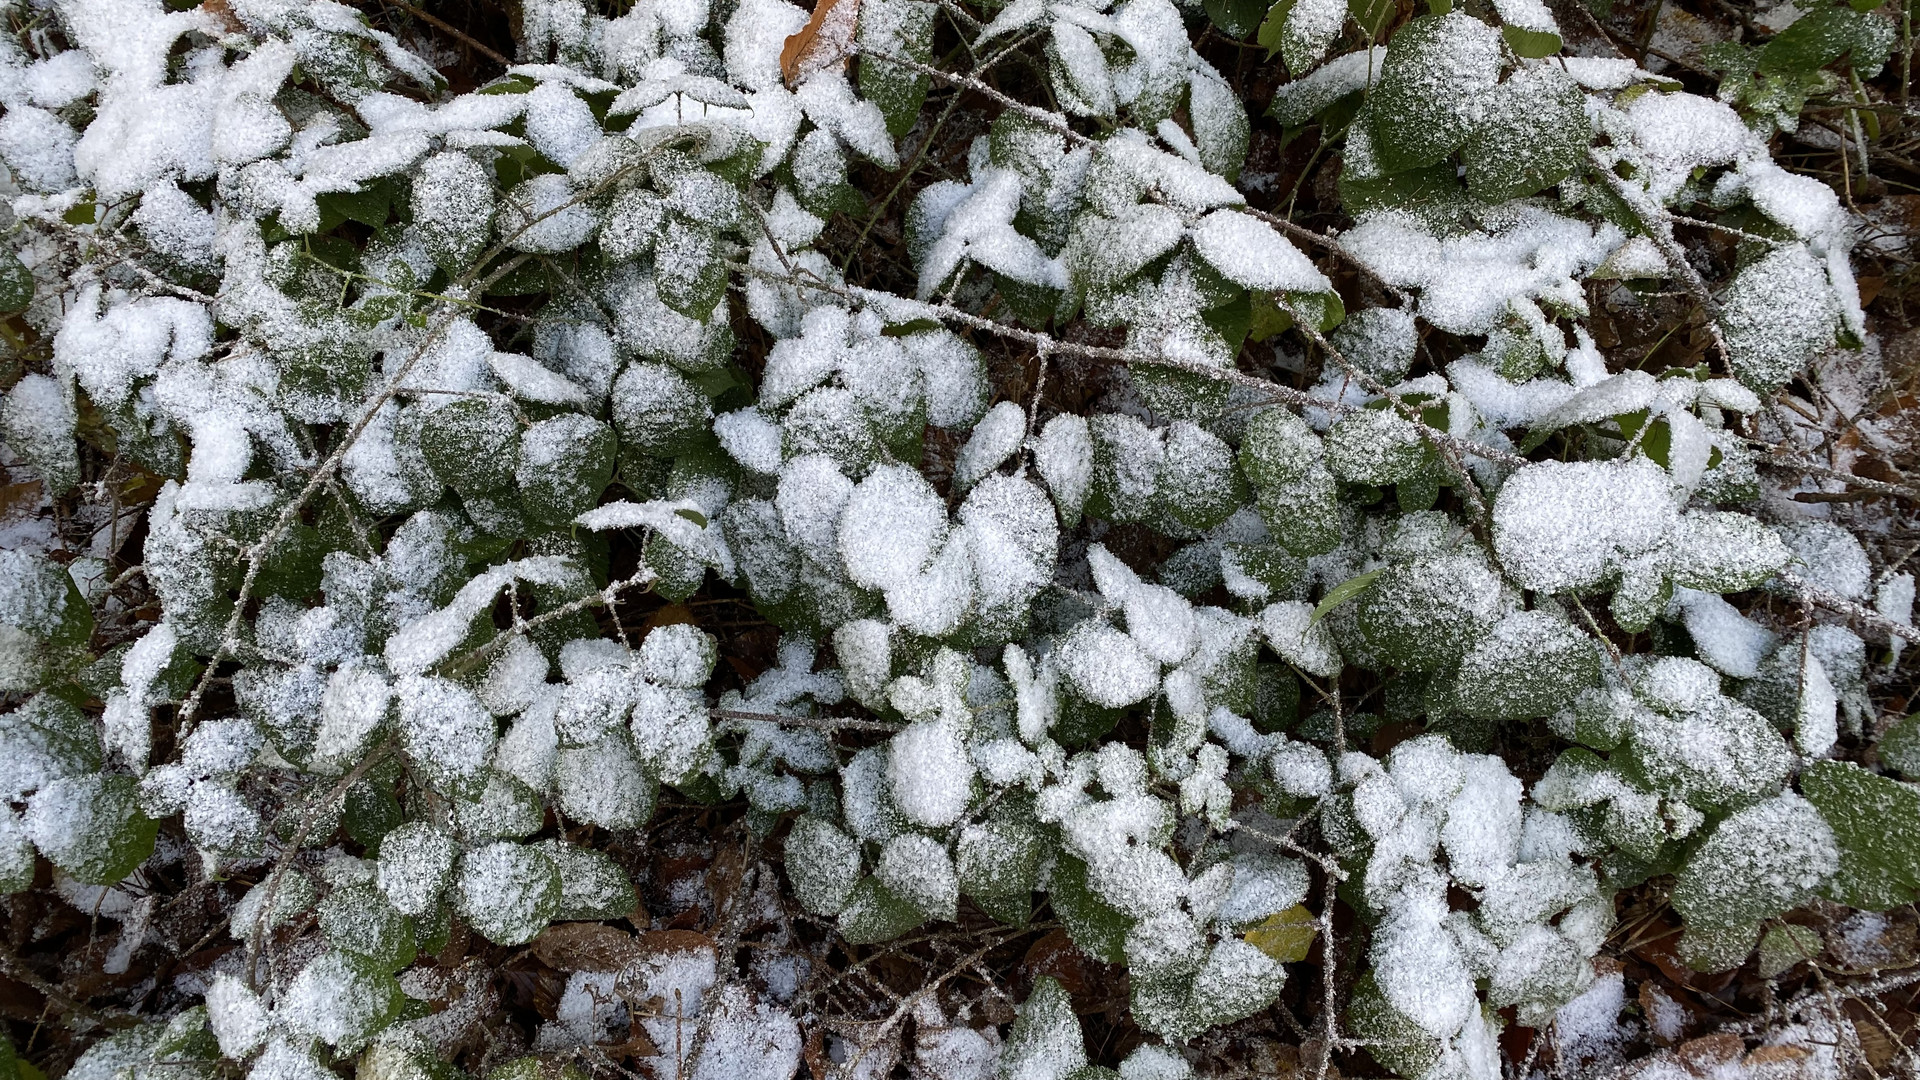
(585, 947)
(826, 40)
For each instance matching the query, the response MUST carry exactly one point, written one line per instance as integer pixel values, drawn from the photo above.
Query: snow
(337, 999)
(1106, 666)
(541, 215)
(828, 101)
(415, 862)
(1467, 282)
(1252, 253)
(445, 729)
(1561, 526)
(892, 527)
(1778, 311)
(1504, 403)
(1290, 629)
(1045, 1042)
(1680, 132)
(748, 1040)
(678, 655)
(1311, 28)
(604, 783)
(558, 123)
(508, 892)
(929, 773)
(237, 1016)
(1830, 557)
(979, 226)
(751, 439)
(1893, 598)
(1726, 639)
(1419, 968)
(1296, 101)
(995, 438)
(917, 869)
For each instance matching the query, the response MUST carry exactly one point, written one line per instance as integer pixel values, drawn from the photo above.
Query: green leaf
(1438, 73)
(1232, 321)
(1531, 44)
(592, 886)
(565, 463)
(82, 214)
(1322, 311)
(471, 444)
(371, 813)
(901, 28)
(511, 84)
(1046, 1043)
(823, 865)
(1419, 491)
(507, 892)
(292, 569)
(527, 279)
(16, 283)
(694, 516)
(1717, 948)
(1823, 36)
(9, 1061)
(1429, 186)
(1236, 18)
(1784, 946)
(1094, 925)
(1761, 861)
(1273, 26)
(1393, 1038)
(1877, 822)
(1530, 664)
(1372, 15)
(359, 920)
(1001, 857)
(909, 328)
(1900, 746)
(873, 914)
(1344, 592)
(91, 827)
(1267, 318)
(370, 206)
(1534, 134)
(688, 269)
(1305, 39)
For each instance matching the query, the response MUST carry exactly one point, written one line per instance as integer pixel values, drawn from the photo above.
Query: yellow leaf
(1287, 936)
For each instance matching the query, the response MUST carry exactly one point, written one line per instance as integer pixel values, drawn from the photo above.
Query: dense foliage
(1227, 593)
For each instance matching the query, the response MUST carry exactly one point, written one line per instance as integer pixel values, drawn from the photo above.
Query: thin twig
(1838, 604)
(818, 723)
(471, 282)
(436, 21)
(1274, 392)
(1658, 223)
(261, 921)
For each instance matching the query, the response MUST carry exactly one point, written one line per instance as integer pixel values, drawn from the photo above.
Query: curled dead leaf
(826, 40)
(224, 15)
(1703, 1055)
(573, 947)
